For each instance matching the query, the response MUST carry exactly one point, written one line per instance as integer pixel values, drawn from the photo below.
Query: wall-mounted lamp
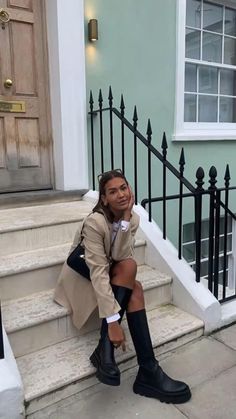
(93, 30)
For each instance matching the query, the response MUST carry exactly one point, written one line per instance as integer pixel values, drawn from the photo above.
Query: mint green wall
(136, 55)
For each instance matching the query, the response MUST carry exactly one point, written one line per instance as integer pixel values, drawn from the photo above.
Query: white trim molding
(187, 131)
(65, 34)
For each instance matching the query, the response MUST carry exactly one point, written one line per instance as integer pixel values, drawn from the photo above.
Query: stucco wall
(136, 55)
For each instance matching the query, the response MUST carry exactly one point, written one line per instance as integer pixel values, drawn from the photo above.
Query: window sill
(194, 135)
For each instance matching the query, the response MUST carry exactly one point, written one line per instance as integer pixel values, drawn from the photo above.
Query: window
(206, 76)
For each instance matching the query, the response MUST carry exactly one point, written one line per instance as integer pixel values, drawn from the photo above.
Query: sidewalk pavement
(208, 365)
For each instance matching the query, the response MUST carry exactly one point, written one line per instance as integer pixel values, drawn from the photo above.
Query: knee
(125, 268)
(137, 295)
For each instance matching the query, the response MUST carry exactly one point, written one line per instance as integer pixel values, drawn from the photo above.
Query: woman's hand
(127, 212)
(116, 335)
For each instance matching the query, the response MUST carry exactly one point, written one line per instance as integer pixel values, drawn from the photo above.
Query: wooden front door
(24, 136)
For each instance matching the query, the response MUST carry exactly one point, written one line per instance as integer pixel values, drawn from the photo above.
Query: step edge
(42, 264)
(66, 312)
(89, 374)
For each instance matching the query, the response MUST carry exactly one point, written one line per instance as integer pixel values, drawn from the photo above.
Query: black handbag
(76, 261)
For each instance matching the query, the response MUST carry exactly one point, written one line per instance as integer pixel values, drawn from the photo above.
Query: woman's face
(117, 195)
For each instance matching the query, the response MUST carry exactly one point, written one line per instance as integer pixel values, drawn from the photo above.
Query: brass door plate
(12, 106)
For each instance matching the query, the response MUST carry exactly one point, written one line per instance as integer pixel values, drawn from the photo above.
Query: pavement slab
(199, 361)
(215, 399)
(206, 364)
(227, 336)
(116, 403)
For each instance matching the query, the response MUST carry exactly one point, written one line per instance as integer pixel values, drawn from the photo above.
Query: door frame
(66, 56)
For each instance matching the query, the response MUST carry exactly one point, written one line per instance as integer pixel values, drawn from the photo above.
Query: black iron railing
(1, 336)
(217, 199)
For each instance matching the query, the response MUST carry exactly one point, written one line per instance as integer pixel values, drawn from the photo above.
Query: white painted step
(25, 273)
(37, 315)
(62, 370)
(27, 228)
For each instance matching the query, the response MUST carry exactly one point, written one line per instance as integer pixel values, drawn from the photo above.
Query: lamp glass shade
(93, 30)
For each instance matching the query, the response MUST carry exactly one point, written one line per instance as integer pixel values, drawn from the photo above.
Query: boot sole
(147, 391)
(101, 376)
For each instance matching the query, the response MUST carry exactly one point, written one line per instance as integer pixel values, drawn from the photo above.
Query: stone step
(32, 198)
(63, 370)
(27, 228)
(37, 270)
(25, 319)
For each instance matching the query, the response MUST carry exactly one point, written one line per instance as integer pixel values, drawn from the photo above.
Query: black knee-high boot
(151, 380)
(103, 356)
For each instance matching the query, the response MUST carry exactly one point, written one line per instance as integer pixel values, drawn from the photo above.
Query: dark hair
(103, 179)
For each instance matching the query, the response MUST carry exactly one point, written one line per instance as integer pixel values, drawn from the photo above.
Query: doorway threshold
(40, 197)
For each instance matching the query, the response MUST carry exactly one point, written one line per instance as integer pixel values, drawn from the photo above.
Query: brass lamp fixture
(93, 30)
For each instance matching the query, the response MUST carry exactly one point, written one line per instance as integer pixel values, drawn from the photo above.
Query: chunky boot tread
(149, 391)
(101, 375)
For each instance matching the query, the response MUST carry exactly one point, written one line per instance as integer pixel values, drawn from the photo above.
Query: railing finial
(135, 117)
(110, 97)
(122, 106)
(149, 131)
(164, 145)
(91, 101)
(200, 175)
(212, 180)
(181, 162)
(100, 98)
(227, 176)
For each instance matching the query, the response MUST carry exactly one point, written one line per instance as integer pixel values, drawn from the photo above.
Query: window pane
(207, 108)
(230, 22)
(193, 13)
(227, 109)
(190, 78)
(190, 108)
(229, 55)
(228, 82)
(208, 82)
(212, 17)
(192, 44)
(211, 47)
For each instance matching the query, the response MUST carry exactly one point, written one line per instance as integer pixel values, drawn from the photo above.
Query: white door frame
(66, 51)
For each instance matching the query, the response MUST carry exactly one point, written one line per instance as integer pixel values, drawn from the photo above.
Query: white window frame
(195, 131)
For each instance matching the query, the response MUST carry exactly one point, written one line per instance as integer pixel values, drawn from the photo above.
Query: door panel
(24, 136)
(2, 144)
(24, 4)
(20, 45)
(28, 140)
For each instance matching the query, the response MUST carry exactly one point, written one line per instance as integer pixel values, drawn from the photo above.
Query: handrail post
(198, 220)
(149, 138)
(217, 244)
(212, 190)
(164, 147)
(1, 336)
(181, 171)
(92, 138)
(227, 179)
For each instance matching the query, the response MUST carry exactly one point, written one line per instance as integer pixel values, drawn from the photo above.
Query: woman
(108, 239)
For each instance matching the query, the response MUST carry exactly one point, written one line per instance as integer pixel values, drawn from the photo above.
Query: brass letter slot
(10, 106)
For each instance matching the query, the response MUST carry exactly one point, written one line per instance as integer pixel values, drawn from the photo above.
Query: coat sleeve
(123, 247)
(98, 263)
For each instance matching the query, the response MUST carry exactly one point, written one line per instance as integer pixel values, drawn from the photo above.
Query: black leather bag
(76, 261)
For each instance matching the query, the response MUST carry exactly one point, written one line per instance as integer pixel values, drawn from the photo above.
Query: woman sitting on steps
(108, 239)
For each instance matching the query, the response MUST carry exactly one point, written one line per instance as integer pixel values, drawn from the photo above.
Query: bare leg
(123, 273)
(136, 301)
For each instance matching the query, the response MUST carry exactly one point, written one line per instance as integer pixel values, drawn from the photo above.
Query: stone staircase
(51, 355)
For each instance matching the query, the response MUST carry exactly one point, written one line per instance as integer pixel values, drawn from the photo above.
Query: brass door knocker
(4, 18)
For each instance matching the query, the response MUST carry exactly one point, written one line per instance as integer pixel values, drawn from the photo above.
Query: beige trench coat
(77, 293)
